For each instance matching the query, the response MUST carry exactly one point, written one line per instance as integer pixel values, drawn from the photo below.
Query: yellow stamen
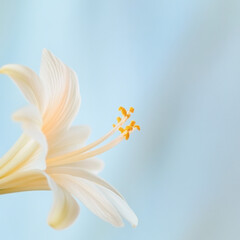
(119, 119)
(123, 110)
(137, 127)
(129, 128)
(87, 151)
(132, 123)
(131, 110)
(121, 129)
(127, 135)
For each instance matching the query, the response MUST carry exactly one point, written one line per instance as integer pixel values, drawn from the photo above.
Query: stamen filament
(77, 157)
(84, 152)
(91, 145)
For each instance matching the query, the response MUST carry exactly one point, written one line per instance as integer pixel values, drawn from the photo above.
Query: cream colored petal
(23, 181)
(30, 119)
(62, 86)
(67, 140)
(81, 173)
(28, 82)
(31, 122)
(25, 156)
(28, 115)
(14, 150)
(122, 207)
(93, 165)
(111, 193)
(64, 210)
(90, 196)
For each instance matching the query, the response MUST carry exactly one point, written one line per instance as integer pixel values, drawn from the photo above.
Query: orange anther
(137, 127)
(129, 128)
(131, 110)
(127, 136)
(114, 125)
(119, 119)
(124, 112)
(132, 123)
(121, 129)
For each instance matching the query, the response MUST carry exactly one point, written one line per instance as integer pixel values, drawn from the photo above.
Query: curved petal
(63, 91)
(122, 207)
(64, 210)
(30, 119)
(26, 154)
(31, 122)
(91, 197)
(78, 172)
(93, 165)
(28, 82)
(23, 181)
(67, 140)
(29, 153)
(113, 196)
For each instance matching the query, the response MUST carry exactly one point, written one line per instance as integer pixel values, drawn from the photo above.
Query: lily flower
(52, 155)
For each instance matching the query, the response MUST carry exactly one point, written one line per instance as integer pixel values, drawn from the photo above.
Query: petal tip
(134, 221)
(3, 69)
(134, 225)
(46, 52)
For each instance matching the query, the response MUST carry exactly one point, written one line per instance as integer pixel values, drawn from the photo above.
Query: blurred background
(178, 64)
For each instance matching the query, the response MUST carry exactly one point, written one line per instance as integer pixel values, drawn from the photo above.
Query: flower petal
(111, 194)
(28, 82)
(26, 154)
(31, 121)
(64, 210)
(62, 88)
(122, 206)
(78, 172)
(67, 140)
(93, 165)
(90, 196)
(23, 181)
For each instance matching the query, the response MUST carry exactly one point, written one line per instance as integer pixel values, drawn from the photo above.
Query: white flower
(50, 154)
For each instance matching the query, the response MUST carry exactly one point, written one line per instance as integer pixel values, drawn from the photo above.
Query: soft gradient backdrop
(178, 64)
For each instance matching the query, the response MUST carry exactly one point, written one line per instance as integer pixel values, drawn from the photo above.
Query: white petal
(67, 140)
(78, 172)
(91, 197)
(109, 192)
(30, 119)
(26, 154)
(63, 91)
(31, 122)
(64, 210)
(28, 82)
(29, 114)
(93, 165)
(23, 181)
(122, 207)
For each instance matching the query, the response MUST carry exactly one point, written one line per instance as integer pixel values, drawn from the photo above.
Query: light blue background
(178, 64)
